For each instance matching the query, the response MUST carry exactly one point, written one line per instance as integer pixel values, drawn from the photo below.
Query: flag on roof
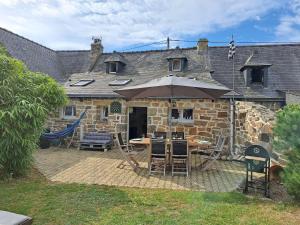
(231, 52)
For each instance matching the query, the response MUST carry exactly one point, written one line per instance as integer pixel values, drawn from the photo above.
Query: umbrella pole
(170, 119)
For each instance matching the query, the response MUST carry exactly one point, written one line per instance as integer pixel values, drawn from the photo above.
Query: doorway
(137, 122)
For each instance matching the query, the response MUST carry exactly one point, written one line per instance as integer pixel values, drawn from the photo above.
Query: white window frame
(102, 113)
(73, 112)
(181, 119)
(179, 60)
(110, 64)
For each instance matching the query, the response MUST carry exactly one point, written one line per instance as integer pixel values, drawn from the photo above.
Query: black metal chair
(257, 160)
(160, 134)
(158, 162)
(180, 157)
(178, 135)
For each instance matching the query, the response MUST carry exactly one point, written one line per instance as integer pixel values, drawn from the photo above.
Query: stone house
(263, 75)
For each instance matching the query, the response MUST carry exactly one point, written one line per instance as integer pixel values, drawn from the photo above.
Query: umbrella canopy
(172, 87)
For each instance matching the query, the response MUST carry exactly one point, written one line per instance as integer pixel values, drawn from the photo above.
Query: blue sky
(123, 24)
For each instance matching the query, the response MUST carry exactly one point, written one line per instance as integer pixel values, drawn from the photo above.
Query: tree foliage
(287, 139)
(26, 99)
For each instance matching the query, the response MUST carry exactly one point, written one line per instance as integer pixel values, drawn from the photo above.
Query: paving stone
(96, 167)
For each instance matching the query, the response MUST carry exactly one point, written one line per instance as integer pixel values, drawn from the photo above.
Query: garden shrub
(287, 140)
(26, 99)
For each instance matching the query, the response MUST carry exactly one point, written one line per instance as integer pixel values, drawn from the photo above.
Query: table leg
(148, 156)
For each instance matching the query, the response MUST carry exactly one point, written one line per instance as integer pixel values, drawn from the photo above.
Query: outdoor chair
(127, 153)
(212, 154)
(180, 157)
(158, 162)
(124, 145)
(178, 135)
(257, 160)
(159, 134)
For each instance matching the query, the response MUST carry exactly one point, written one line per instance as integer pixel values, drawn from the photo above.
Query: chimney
(202, 45)
(96, 48)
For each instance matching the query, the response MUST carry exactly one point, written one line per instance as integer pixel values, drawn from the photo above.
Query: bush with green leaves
(26, 99)
(287, 140)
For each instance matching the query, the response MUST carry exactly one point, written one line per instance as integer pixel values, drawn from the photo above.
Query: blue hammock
(64, 133)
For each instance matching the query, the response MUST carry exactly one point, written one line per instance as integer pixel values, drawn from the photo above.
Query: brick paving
(96, 167)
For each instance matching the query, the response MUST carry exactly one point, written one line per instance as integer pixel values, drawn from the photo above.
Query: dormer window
(176, 65)
(113, 67)
(256, 75)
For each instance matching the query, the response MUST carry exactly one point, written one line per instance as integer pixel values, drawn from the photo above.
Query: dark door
(137, 122)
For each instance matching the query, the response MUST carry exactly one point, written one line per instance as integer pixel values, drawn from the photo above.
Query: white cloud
(64, 24)
(289, 26)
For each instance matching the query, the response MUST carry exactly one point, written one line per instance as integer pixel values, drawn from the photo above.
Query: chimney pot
(96, 48)
(202, 44)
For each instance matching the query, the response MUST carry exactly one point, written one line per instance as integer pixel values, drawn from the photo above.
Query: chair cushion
(8, 218)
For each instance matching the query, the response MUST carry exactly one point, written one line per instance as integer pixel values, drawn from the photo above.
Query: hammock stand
(59, 135)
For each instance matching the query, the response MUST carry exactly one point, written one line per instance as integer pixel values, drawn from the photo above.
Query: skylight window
(119, 82)
(82, 83)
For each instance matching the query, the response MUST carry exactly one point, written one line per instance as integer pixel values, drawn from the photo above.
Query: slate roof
(36, 57)
(140, 67)
(283, 72)
(210, 66)
(58, 64)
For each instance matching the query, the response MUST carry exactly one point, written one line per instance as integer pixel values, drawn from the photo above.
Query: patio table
(192, 143)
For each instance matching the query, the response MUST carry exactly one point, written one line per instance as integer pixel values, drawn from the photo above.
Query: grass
(54, 203)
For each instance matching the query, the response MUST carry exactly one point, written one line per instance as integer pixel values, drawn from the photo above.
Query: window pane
(176, 65)
(70, 110)
(119, 82)
(175, 114)
(82, 82)
(105, 111)
(113, 67)
(188, 114)
(257, 75)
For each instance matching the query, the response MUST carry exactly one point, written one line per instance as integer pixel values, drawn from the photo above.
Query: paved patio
(94, 167)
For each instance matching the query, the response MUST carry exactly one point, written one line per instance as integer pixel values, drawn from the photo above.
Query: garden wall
(254, 122)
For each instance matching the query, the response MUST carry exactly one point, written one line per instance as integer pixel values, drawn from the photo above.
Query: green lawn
(53, 203)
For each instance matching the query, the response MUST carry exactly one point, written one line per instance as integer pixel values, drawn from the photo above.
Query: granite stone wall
(209, 117)
(254, 122)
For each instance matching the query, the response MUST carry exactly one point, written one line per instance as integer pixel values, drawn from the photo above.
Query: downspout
(232, 127)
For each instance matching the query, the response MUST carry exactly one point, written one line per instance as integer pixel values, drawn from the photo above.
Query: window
(182, 115)
(119, 82)
(176, 65)
(175, 114)
(112, 67)
(82, 83)
(187, 114)
(257, 75)
(104, 113)
(70, 111)
(115, 107)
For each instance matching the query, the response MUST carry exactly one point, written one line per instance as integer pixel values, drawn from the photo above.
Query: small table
(191, 143)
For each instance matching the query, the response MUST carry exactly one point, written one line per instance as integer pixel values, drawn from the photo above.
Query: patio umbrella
(172, 87)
